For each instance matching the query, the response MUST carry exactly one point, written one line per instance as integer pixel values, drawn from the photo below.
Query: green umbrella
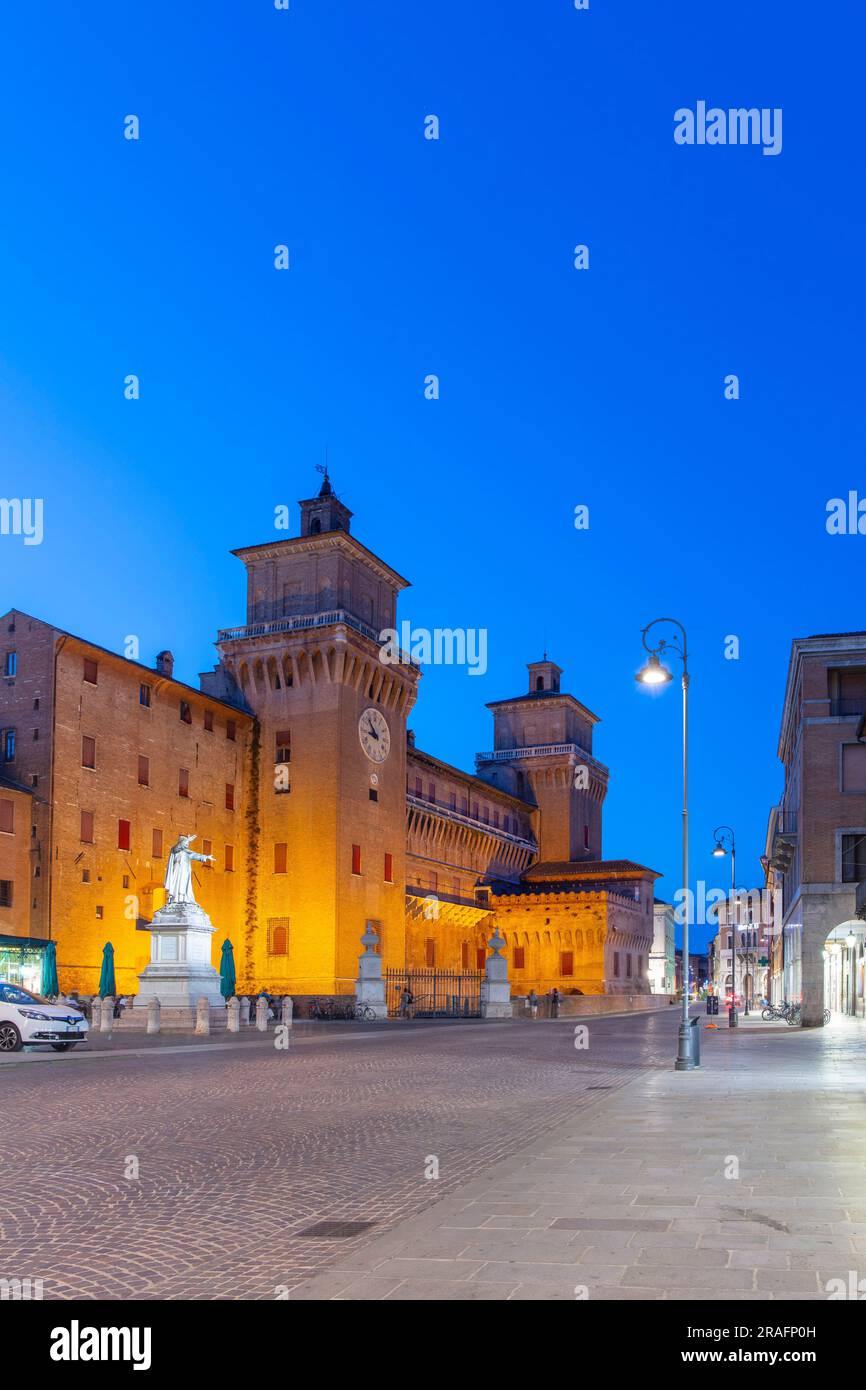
(107, 985)
(50, 983)
(228, 979)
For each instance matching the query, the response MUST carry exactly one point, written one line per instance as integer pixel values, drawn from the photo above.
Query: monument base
(180, 971)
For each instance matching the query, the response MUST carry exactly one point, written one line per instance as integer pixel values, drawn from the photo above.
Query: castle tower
(542, 751)
(328, 848)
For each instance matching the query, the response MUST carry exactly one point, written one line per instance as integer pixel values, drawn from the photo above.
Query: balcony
(436, 808)
(306, 623)
(539, 750)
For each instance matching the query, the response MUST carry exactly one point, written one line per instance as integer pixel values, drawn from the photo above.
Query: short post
(106, 1022)
(202, 1016)
(262, 1014)
(153, 1016)
(495, 987)
(287, 1012)
(95, 1013)
(233, 1015)
(369, 986)
(245, 1011)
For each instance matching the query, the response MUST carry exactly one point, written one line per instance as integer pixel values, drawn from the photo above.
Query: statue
(178, 872)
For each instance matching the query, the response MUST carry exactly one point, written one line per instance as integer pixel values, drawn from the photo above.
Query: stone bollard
(245, 1011)
(95, 1012)
(153, 1016)
(262, 1014)
(106, 1022)
(233, 1015)
(202, 1017)
(287, 1016)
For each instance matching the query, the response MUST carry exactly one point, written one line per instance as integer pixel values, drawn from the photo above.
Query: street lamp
(654, 672)
(721, 834)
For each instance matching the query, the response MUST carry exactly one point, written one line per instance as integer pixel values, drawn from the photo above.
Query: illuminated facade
(294, 766)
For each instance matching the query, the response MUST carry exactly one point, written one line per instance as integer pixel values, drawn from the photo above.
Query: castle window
(144, 695)
(85, 875)
(566, 963)
(283, 752)
(419, 787)
(183, 781)
(389, 867)
(143, 771)
(5, 892)
(208, 721)
(229, 861)
(91, 670)
(281, 854)
(7, 815)
(230, 796)
(628, 965)
(315, 526)
(99, 912)
(464, 955)
(431, 792)
(86, 831)
(539, 682)
(373, 794)
(11, 666)
(356, 859)
(123, 834)
(519, 960)
(88, 751)
(480, 958)
(430, 951)
(231, 730)
(156, 844)
(586, 837)
(185, 712)
(206, 848)
(616, 964)
(278, 936)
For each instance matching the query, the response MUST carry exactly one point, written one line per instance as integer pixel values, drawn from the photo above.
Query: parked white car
(28, 1020)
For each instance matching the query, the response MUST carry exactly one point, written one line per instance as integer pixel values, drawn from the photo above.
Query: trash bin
(695, 1033)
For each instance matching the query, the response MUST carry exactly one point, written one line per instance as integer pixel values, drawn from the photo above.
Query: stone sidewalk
(742, 1181)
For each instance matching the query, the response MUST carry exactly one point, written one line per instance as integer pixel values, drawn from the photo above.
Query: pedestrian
(554, 1002)
(532, 1003)
(407, 999)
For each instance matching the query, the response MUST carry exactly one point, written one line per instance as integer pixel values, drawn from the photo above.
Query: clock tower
(326, 834)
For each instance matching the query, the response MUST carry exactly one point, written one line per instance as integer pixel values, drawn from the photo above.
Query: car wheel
(62, 1047)
(10, 1038)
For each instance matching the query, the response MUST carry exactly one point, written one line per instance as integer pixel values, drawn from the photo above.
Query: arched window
(539, 682)
(315, 526)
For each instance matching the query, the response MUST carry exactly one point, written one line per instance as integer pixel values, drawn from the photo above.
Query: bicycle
(792, 1018)
(774, 1011)
(363, 1011)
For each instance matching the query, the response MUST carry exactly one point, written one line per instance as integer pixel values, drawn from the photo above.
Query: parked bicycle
(775, 1011)
(363, 1011)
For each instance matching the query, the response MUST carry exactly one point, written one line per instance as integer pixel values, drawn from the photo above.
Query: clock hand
(371, 730)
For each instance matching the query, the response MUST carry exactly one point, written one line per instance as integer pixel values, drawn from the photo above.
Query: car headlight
(34, 1013)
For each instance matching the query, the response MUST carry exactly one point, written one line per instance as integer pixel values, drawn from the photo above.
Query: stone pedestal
(180, 971)
(369, 986)
(495, 987)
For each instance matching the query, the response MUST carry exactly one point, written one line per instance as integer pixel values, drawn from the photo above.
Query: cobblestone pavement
(240, 1149)
(741, 1182)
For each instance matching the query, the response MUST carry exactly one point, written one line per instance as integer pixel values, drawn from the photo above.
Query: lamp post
(723, 833)
(654, 672)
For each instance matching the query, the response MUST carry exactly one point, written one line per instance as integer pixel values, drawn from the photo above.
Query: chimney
(165, 663)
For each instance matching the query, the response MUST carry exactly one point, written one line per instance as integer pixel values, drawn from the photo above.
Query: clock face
(375, 735)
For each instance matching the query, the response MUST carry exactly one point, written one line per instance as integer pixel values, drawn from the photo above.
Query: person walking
(407, 999)
(532, 1003)
(555, 998)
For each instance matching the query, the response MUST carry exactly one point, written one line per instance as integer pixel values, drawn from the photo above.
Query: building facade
(817, 836)
(295, 767)
(662, 961)
(750, 918)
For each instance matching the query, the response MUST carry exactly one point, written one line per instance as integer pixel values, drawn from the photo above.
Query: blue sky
(452, 257)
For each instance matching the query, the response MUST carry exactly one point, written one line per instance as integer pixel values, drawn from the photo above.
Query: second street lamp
(721, 834)
(654, 672)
